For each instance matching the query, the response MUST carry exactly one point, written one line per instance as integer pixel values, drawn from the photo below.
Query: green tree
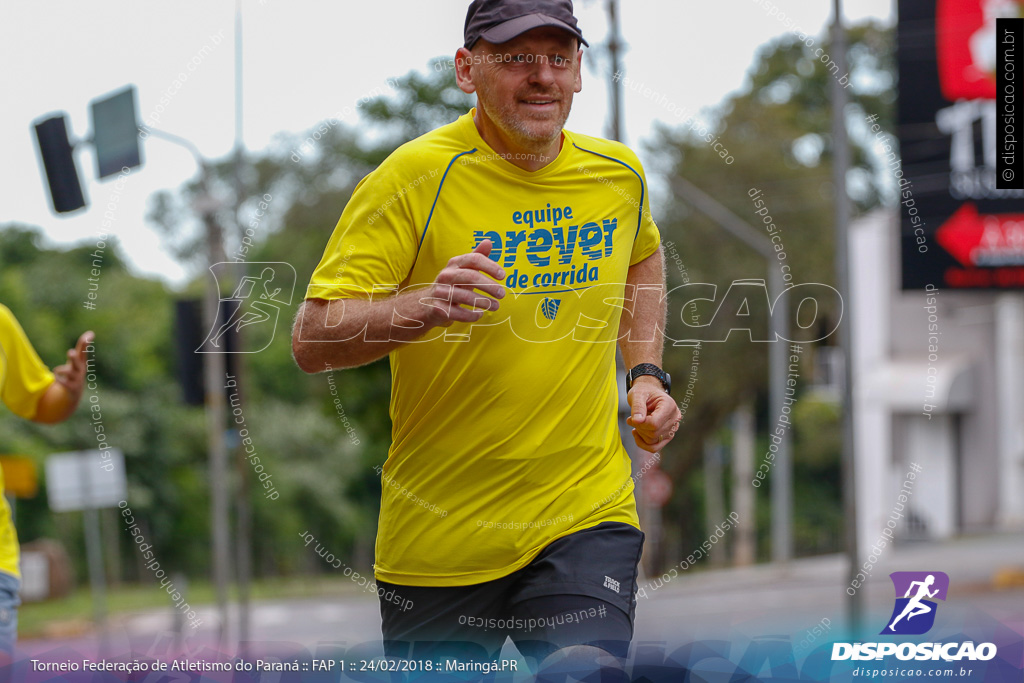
(778, 131)
(330, 488)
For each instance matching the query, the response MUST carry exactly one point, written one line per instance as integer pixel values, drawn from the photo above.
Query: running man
(31, 391)
(498, 261)
(915, 606)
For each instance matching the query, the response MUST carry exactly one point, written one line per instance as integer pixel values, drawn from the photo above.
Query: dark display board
(958, 230)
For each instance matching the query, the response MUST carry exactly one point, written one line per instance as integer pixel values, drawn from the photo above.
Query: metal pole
(715, 503)
(782, 476)
(614, 45)
(94, 552)
(242, 504)
(213, 373)
(214, 369)
(778, 369)
(725, 218)
(840, 165)
(743, 503)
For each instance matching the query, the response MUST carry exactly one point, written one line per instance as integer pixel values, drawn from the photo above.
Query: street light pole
(214, 371)
(614, 45)
(244, 513)
(778, 369)
(782, 477)
(840, 164)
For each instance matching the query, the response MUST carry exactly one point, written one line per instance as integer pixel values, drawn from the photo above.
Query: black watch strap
(652, 370)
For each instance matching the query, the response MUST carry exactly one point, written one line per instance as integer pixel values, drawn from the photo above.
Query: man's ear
(463, 70)
(579, 70)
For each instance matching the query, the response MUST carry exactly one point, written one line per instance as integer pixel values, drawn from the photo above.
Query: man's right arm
(337, 334)
(347, 333)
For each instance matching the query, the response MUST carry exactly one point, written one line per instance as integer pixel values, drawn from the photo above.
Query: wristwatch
(652, 370)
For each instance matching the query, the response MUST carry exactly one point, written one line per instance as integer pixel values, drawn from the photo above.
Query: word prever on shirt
(544, 247)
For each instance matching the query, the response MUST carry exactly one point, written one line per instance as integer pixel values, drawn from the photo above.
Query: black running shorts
(580, 590)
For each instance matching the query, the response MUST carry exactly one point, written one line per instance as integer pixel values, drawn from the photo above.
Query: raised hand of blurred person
(62, 396)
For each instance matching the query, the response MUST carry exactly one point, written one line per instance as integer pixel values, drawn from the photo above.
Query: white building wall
(871, 282)
(981, 402)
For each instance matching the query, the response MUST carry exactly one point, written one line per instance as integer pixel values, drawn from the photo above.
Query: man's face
(526, 85)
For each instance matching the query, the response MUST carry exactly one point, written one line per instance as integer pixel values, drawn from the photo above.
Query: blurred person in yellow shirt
(30, 390)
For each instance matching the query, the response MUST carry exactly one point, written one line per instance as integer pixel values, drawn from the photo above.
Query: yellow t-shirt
(23, 379)
(504, 432)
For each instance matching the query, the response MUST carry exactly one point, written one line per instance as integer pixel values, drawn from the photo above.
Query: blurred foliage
(325, 475)
(777, 130)
(817, 498)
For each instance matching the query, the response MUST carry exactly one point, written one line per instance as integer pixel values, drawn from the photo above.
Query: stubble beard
(537, 135)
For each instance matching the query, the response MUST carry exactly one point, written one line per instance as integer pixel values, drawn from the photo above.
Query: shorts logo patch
(611, 584)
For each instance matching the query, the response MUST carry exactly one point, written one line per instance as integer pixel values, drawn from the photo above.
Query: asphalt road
(732, 604)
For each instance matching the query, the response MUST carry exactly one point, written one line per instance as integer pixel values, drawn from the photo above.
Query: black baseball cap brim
(507, 30)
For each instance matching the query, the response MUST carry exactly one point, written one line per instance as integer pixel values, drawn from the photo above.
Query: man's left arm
(656, 416)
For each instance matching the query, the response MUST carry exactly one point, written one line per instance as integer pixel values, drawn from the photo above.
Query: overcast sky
(303, 62)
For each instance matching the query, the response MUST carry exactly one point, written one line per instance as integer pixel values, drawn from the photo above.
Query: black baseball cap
(499, 21)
